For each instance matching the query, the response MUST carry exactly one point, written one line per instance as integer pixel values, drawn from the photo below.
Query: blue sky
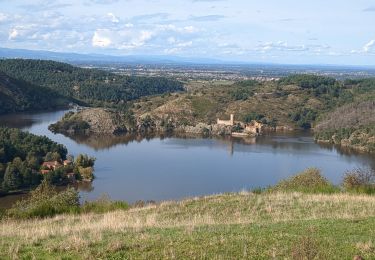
(276, 31)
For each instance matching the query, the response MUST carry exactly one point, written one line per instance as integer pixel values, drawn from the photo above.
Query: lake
(135, 168)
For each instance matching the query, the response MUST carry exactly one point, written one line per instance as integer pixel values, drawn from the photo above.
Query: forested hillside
(21, 154)
(352, 125)
(89, 85)
(17, 95)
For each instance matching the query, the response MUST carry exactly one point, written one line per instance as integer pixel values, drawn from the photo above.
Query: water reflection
(296, 142)
(162, 167)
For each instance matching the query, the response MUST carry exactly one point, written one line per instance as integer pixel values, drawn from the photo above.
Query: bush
(304, 117)
(86, 174)
(309, 181)
(253, 116)
(361, 180)
(45, 201)
(102, 205)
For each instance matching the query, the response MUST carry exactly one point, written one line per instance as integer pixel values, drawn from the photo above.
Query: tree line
(87, 85)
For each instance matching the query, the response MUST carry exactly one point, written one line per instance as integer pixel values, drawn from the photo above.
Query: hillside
(351, 115)
(294, 102)
(93, 86)
(18, 95)
(230, 226)
(352, 125)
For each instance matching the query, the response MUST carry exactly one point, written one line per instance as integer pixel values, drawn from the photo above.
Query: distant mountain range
(75, 57)
(165, 60)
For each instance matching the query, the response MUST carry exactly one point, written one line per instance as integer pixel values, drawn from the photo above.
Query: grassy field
(279, 225)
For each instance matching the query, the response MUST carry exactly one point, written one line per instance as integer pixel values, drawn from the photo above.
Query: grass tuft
(102, 205)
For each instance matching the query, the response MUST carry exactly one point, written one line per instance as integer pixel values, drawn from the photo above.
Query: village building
(50, 166)
(67, 162)
(44, 171)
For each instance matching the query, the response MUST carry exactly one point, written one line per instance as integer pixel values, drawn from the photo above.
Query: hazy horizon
(274, 32)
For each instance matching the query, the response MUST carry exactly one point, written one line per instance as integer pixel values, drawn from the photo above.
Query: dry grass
(243, 208)
(228, 226)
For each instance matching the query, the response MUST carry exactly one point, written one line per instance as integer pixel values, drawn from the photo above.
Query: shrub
(253, 116)
(45, 201)
(87, 173)
(102, 205)
(309, 181)
(361, 180)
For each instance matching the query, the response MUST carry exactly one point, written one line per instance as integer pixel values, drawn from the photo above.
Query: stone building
(229, 122)
(254, 128)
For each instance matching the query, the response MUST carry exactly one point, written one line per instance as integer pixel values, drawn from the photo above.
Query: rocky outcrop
(93, 120)
(103, 121)
(202, 128)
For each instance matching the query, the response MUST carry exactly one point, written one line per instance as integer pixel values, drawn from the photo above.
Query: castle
(251, 128)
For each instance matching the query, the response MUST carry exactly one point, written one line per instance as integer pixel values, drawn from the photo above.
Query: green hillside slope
(90, 85)
(17, 96)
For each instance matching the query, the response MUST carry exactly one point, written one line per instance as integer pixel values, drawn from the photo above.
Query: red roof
(51, 163)
(44, 171)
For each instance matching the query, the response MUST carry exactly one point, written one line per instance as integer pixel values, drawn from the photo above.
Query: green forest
(21, 155)
(91, 86)
(21, 158)
(18, 95)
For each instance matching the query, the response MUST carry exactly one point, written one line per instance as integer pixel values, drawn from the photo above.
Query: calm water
(134, 168)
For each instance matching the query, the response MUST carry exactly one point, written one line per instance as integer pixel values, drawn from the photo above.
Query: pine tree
(12, 178)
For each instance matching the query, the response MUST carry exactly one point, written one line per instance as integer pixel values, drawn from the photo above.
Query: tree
(52, 156)
(32, 161)
(83, 160)
(12, 178)
(57, 176)
(2, 155)
(2, 171)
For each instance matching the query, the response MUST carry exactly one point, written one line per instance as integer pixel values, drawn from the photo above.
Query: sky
(270, 31)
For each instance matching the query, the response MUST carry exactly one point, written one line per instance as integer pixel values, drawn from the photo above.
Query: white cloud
(129, 25)
(100, 40)
(13, 34)
(113, 18)
(190, 29)
(369, 46)
(185, 44)
(280, 46)
(171, 40)
(145, 35)
(174, 28)
(104, 2)
(3, 17)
